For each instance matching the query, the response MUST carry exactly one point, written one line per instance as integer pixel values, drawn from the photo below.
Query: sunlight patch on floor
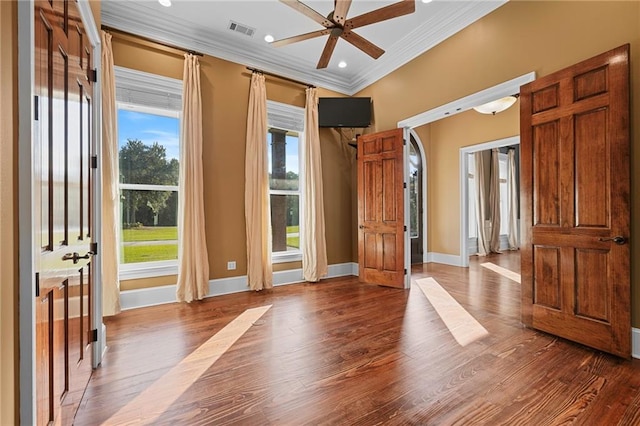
(461, 324)
(149, 405)
(502, 271)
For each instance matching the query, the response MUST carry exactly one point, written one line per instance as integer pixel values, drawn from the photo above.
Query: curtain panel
(494, 201)
(110, 232)
(314, 248)
(512, 232)
(256, 199)
(193, 259)
(479, 179)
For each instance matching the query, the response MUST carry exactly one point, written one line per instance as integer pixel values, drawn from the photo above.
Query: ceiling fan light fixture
(342, 64)
(268, 38)
(496, 106)
(165, 3)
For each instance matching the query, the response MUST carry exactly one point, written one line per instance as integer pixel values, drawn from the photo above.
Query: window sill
(136, 271)
(284, 257)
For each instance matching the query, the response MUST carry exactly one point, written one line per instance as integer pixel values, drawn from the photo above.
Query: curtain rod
(280, 77)
(171, 46)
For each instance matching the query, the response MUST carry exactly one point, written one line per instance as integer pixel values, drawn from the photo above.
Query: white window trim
(142, 81)
(289, 117)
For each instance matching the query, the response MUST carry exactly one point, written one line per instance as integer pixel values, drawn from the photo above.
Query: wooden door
(575, 203)
(381, 208)
(63, 181)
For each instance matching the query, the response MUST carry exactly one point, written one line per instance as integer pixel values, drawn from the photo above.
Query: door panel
(62, 147)
(575, 199)
(381, 208)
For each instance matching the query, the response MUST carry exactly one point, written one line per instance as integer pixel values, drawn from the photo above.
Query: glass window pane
(285, 222)
(149, 225)
(149, 148)
(283, 160)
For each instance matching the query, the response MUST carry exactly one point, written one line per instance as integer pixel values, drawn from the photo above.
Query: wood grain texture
(343, 352)
(574, 127)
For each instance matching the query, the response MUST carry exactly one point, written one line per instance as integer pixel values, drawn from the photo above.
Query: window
(414, 187)
(286, 125)
(149, 110)
(471, 210)
(504, 194)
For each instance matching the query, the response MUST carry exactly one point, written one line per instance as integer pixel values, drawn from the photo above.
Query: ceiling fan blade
(341, 10)
(295, 39)
(328, 51)
(307, 11)
(403, 7)
(363, 44)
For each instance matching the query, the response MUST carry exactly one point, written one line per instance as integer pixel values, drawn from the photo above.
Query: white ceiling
(203, 26)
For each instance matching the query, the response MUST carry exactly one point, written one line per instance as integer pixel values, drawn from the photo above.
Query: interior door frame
(456, 107)
(464, 189)
(26, 192)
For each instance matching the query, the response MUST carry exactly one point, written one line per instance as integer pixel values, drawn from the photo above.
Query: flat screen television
(344, 112)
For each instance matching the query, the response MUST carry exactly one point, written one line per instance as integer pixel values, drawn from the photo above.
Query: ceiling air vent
(240, 28)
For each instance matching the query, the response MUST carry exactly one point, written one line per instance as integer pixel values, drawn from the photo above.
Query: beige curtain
(483, 243)
(256, 195)
(110, 232)
(513, 200)
(314, 248)
(193, 260)
(494, 200)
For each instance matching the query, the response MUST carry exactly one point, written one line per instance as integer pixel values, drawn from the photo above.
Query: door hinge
(93, 335)
(94, 248)
(94, 162)
(404, 141)
(405, 185)
(36, 107)
(405, 228)
(405, 272)
(93, 75)
(37, 284)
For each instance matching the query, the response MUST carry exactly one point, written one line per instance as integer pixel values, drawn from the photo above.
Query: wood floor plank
(341, 352)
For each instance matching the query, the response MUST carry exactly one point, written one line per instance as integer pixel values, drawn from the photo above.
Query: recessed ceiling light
(426, 1)
(165, 3)
(268, 38)
(342, 64)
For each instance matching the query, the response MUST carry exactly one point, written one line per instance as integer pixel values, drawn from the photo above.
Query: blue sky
(149, 128)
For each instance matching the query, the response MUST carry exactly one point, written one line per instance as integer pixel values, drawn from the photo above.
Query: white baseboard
(635, 343)
(447, 259)
(152, 296)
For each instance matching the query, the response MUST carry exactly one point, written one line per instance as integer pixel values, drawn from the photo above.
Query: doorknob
(619, 240)
(76, 257)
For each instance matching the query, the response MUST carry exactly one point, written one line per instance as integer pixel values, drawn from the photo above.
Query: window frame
(132, 80)
(292, 119)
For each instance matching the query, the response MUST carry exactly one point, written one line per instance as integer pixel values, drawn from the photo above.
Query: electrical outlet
(231, 265)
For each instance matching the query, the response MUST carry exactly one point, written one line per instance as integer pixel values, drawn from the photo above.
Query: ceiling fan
(336, 25)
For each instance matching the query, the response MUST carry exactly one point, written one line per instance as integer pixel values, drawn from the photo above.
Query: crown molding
(135, 18)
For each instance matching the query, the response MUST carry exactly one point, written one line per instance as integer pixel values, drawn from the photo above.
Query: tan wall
(519, 37)
(225, 95)
(8, 218)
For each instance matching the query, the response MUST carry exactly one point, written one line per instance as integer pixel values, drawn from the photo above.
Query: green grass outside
(293, 241)
(150, 233)
(151, 253)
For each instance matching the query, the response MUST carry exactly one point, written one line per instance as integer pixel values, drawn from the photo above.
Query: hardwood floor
(340, 352)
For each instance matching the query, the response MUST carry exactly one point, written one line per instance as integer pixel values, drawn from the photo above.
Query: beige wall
(8, 224)
(225, 95)
(519, 37)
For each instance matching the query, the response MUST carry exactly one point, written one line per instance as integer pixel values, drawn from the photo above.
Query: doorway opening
(468, 197)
